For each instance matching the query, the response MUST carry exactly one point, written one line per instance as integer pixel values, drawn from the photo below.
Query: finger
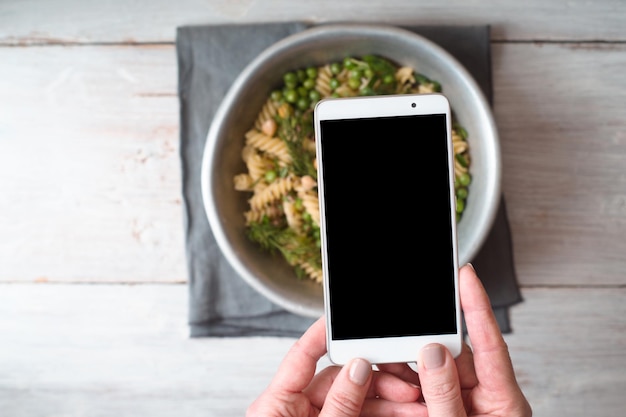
(402, 370)
(375, 407)
(318, 388)
(348, 392)
(384, 385)
(465, 368)
(440, 382)
(391, 387)
(298, 366)
(491, 355)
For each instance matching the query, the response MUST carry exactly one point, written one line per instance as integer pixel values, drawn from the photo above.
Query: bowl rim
(321, 31)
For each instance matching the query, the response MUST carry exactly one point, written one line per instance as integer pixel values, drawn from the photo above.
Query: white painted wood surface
(92, 269)
(122, 21)
(90, 134)
(122, 350)
(560, 110)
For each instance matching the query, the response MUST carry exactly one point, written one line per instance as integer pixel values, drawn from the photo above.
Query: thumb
(347, 394)
(440, 382)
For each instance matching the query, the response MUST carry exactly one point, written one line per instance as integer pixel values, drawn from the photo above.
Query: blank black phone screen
(388, 226)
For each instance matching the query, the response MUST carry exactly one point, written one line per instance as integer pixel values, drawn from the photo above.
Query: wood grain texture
(90, 179)
(120, 21)
(560, 112)
(99, 126)
(568, 347)
(91, 205)
(122, 350)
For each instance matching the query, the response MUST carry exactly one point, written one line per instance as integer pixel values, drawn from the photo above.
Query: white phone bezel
(385, 349)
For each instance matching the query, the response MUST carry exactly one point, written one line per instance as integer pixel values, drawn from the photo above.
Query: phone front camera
(412, 104)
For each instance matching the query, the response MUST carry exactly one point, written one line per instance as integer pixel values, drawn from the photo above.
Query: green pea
(335, 68)
(348, 63)
(460, 205)
(302, 91)
(290, 78)
(270, 176)
(461, 193)
(315, 96)
(291, 85)
(334, 83)
(354, 83)
(389, 79)
(311, 72)
(355, 73)
(465, 179)
(303, 103)
(277, 95)
(335, 95)
(367, 91)
(291, 95)
(368, 73)
(301, 74)
(309, 84)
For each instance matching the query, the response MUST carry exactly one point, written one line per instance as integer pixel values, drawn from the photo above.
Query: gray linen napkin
(220, 302)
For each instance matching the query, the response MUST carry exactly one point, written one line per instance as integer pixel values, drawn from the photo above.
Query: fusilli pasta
(279, 153)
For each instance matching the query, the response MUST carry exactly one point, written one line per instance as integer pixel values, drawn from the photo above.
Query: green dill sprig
(294, 247)
(293, 130)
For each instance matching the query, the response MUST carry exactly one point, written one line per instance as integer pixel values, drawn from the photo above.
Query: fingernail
(471, 266)
(433, 356)
(360, 370)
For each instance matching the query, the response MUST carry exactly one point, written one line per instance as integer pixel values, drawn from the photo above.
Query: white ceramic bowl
(271, 276)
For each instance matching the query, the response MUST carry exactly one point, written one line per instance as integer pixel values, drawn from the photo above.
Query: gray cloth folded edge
(220, 302)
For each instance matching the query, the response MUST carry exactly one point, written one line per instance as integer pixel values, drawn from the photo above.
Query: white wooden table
(93, 296)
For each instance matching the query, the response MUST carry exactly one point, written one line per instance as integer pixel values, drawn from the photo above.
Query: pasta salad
(279, 154)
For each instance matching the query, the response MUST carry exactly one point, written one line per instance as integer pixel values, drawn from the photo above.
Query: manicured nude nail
(433, 356)
(360, 370)
(471, 266)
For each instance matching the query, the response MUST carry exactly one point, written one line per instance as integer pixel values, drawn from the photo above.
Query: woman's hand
(348, 391)
(481, 381)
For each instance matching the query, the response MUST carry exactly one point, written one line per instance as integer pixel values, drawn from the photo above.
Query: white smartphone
(388, 226)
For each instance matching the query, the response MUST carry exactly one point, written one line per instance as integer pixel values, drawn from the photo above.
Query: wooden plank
(90, 182)
(560, 112)
(569, 350)
(123, 350)
(98, 128)
(120, 21)
(120, 350)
